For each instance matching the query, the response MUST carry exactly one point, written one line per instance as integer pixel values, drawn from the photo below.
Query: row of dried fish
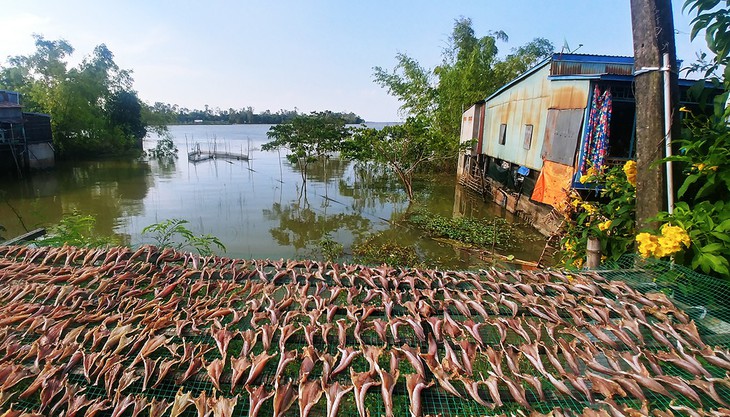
(252, 301)
(585, 338)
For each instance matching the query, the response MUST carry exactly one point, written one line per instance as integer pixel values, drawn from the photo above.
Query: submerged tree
(308, 137)
(403, 148)
(92, 106)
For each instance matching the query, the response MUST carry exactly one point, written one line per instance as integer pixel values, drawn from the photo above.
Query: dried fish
(181, 403)
(222, 406)
(414, 358)
(284, 397)
(387, 384)
(334, 394)
(347, 355)
(362, 381)
(472, 388)
(215, 369)
(309, 394)
(415, 384)
(257, 366)
(256, 399)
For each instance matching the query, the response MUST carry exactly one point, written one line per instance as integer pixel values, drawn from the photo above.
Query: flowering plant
(610, 218)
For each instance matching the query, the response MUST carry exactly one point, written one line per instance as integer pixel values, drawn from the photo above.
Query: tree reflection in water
(301, 226)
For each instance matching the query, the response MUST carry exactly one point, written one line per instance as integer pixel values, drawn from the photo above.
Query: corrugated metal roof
(519, 78)
(574, 64)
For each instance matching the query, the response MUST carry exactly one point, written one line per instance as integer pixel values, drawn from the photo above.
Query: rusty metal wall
(562, 133)
(527, 103)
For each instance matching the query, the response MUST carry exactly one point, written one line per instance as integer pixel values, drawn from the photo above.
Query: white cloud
(17, 31)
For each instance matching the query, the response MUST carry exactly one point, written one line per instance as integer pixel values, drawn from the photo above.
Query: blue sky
(312, 55)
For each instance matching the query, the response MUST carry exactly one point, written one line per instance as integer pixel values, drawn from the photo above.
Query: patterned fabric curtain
(595, 142)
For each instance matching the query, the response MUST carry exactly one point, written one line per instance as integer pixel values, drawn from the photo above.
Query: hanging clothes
(595, 141)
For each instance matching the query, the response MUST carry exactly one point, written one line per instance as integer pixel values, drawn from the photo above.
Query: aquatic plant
(329, 248)
(173, 233)
(374, 251)
(483, 233)
(76, 229)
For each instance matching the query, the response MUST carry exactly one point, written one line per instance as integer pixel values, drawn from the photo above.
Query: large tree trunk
(653, 33)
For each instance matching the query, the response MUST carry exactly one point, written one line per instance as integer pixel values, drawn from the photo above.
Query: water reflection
(301, 226)
(258, 209)
(370, 187)
(324, 170)
(108, 189)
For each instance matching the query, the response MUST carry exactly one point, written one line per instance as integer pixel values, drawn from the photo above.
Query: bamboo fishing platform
(200, 156)
(197, 155)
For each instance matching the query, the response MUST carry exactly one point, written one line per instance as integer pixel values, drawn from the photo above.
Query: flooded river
(258, 208)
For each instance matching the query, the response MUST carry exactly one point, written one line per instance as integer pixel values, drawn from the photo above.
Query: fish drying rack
(703, 299)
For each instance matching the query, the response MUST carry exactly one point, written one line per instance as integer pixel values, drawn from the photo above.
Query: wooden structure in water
(198, 155)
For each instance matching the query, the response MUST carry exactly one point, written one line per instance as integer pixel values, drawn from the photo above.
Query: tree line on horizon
(94, 108)
(165, 113)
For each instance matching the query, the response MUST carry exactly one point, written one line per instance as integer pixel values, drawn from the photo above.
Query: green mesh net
(705, 299)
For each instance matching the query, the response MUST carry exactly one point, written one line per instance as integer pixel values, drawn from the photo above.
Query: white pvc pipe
(668, 130)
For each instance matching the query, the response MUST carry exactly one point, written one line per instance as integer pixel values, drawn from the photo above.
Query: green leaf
(685, 185)
(712, 248)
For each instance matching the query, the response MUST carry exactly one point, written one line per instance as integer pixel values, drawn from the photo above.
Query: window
(502, 133)
(528, 137)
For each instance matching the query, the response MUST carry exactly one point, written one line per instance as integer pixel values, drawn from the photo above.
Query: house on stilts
(26, 142)
(535, 136)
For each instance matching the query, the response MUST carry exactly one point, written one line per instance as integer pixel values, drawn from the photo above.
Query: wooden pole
(653, 34)
(593, 253)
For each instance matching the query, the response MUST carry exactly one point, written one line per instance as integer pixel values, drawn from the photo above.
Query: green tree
(308, 137)
(402, 148)
(92, 106)
(125, 112)
(470, 71)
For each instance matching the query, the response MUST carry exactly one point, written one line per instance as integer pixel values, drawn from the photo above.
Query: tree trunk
(653, 33)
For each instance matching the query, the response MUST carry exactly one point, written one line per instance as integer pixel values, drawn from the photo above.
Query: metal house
(542, 130)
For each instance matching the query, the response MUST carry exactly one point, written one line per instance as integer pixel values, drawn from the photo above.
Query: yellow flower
(699, 166)
(578, 263)
(667, 244)
(648, 244)
(675, 234)
(589, 208)
(604, 226)
(575, 203)
(630, 171)
(589, 175)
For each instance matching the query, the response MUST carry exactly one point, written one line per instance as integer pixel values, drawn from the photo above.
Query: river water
(258, 209)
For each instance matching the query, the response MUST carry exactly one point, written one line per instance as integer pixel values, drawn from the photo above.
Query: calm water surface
(258, 209)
